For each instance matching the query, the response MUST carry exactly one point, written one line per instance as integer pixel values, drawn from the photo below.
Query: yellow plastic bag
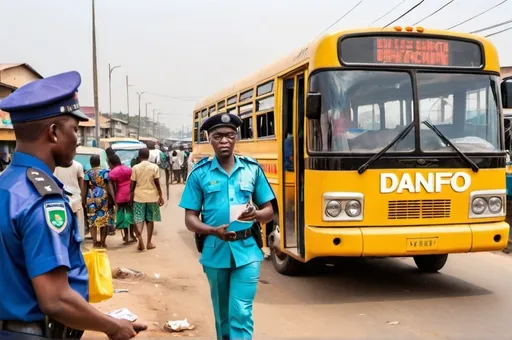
(100, 275)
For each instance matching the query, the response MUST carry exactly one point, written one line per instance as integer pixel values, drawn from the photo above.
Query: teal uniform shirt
(211, 191)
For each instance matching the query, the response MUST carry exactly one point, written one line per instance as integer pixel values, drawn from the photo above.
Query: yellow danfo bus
(377, 143)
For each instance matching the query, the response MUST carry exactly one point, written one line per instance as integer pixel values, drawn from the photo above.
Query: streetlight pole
(95, 78)
(110, 70)
(146, 124)
(138, 128)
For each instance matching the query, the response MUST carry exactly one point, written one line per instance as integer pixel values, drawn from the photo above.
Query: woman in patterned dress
(98, 212)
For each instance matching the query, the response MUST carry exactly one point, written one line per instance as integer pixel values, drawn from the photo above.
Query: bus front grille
(416, 209)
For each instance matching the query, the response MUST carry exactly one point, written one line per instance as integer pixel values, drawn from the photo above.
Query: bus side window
(246, 128)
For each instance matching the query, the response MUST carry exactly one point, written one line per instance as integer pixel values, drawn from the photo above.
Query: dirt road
(356, 299)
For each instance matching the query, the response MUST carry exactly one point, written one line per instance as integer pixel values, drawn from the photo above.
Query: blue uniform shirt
(38, 233)
(212, 191)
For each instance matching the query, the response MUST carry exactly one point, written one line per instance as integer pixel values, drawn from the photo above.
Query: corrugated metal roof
(88, 111)
(104, 123)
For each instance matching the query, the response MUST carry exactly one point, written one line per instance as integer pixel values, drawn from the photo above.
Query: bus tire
(286, 265)
(430, 263)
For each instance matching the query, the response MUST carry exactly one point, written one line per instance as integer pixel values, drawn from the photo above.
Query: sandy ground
(354, 299)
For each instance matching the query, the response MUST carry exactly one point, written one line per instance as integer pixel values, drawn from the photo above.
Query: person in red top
(119, 185)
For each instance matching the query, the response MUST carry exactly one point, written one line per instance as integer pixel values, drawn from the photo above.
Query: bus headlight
(353, 208)
(343, 206)
(479, 205)
(495, 204)
(333, 208)
(487, 203)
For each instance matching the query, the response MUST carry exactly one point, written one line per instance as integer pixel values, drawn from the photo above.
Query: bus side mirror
(506, 93)
(313, 105)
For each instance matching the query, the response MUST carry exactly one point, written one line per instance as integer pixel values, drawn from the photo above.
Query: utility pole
(146, 124)
(95, 78)
(110, 70)
(153, 123)
(127, 97)
(158, 124)
(138, 128)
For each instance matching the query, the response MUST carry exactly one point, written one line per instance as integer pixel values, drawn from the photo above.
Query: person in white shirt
(180, 157)
(154, 154)
(73, 180)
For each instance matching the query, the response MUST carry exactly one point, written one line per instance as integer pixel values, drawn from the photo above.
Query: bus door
(293, 99)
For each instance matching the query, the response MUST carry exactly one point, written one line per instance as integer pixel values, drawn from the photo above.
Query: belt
(48, 329)
(32, 328)
(242, 234)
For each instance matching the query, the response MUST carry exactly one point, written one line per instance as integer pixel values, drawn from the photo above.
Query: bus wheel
(283, 263)
(286, 264)
(430, 263)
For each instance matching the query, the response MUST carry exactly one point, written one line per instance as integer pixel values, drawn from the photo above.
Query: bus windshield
(362, 111)
(464, 107)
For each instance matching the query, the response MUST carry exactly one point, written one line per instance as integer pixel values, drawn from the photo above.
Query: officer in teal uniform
(224, 190)
(44, 280)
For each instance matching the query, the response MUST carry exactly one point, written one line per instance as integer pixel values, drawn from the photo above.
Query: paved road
(356, 299)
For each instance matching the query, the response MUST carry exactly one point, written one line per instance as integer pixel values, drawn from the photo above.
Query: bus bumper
(405, 241)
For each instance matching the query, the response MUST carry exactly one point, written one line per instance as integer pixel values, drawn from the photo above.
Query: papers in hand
(235, 211)
(122, 314)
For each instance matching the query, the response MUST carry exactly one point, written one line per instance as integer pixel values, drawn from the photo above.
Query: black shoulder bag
(199, 238)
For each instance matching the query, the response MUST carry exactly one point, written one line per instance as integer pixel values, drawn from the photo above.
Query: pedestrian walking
(221, 189)
(181, 161)
(186, 155)
(97, 202)
(73, 179)
(146, 197)
(119, 185)
(176, 166)
(44, 280)
(165, 166)
(154, 153)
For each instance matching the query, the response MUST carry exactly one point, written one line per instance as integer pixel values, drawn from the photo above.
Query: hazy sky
(193, 48)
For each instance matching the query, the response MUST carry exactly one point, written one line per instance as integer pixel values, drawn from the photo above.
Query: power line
(391, 10)
(476, 16)
(435, 12)
(499, 32)
(491, 27)
(341, 18)
(403, 15)
(184, 98)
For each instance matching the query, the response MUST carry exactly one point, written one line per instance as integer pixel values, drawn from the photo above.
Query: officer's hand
(223, 234)
(249, 214)
(126, 330)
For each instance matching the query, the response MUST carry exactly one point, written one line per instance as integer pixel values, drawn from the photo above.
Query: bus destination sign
(410, 51)
(428, 52)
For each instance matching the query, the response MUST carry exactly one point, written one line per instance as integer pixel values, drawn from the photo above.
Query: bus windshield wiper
(446, 141)
(378, 155)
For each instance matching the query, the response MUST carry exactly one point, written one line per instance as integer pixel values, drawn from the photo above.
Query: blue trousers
(233, 291)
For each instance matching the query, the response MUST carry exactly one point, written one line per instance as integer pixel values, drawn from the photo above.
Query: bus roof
(330, 59)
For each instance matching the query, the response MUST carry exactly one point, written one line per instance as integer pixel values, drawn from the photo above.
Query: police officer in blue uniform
(222, 189)
(44, 280)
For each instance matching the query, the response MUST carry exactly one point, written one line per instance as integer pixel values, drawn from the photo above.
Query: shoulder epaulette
(249, 160)
(203, 161)
(43, 183)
